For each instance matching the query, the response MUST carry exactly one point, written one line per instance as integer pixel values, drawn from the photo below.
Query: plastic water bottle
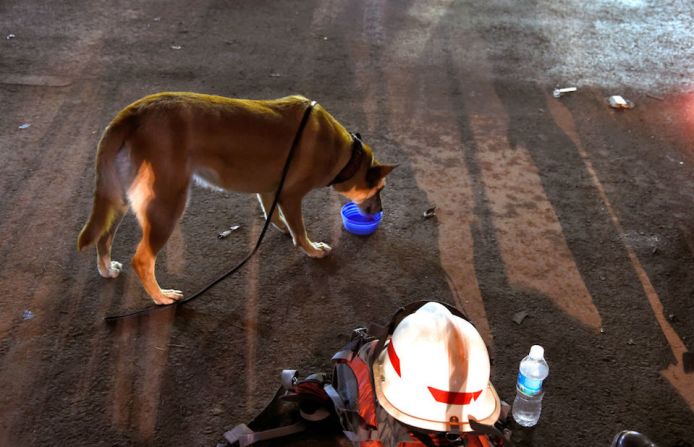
(528, 403)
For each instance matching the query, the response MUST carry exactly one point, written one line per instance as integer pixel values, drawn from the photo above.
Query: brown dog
(153, 148)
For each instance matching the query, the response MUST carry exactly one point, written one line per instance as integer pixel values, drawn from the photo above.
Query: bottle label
(528, 386)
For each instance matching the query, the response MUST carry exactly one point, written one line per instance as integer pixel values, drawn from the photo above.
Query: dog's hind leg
(158, 204)
(107, 267)
(278, 219)
(291, 208)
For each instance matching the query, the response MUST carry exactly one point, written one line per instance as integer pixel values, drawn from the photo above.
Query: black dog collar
(354, 161)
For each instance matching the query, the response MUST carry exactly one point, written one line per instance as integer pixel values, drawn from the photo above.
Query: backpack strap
(351, 390)
(489, 430)
(244, 436)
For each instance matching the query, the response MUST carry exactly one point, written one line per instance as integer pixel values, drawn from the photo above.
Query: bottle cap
(537, 352)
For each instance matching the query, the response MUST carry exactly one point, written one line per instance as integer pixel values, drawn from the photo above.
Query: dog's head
(364, 188)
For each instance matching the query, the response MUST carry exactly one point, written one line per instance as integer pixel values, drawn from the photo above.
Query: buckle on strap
(453, 434)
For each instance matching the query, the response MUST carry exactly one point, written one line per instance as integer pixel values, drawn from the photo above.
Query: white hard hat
(434, 373)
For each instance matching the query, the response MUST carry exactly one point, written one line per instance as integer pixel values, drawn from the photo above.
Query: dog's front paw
(168, 296)
(112, 271)
(318, 250)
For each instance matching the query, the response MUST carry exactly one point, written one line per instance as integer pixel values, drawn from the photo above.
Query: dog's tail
(109, 194)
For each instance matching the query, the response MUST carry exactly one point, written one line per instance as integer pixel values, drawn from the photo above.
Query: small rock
(518, 317)
(176, 47)
(602, 330)
(618, 102)
(216, 411)
(630, 342)
(431, 212)
(10, 36)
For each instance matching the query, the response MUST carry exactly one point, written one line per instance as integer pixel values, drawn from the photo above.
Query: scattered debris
(24, 126)
(224, 234)
(431, 212)
(10, 36)
(518, 317)
(558, 92)
(176, 47)
(27, 315)
(672, 317)
(688, 361)
(673, 160)
(659, 98)
(156, 19)
(275, 75)
(618, 102)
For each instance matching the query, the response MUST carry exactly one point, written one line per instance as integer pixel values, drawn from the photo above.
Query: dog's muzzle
(371, 205)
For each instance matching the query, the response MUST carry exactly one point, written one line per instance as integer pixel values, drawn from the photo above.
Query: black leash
(285, 170)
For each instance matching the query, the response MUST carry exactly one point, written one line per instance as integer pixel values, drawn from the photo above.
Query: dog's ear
(376, 173)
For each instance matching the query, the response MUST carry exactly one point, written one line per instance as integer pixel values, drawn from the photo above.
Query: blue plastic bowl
(357, 223)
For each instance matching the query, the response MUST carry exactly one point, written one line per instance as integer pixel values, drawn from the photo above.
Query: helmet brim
(484, 410)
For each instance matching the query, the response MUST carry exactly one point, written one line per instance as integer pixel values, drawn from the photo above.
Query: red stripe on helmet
(394, 359)
(452, 397)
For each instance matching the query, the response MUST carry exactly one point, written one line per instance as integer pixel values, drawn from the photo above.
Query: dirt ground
(578, 214)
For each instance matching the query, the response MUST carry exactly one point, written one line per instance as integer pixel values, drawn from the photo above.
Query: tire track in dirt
(531, 244)
(533, 248)
(64, 164)
(674, 373)
(51, 185)
(43, 192)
